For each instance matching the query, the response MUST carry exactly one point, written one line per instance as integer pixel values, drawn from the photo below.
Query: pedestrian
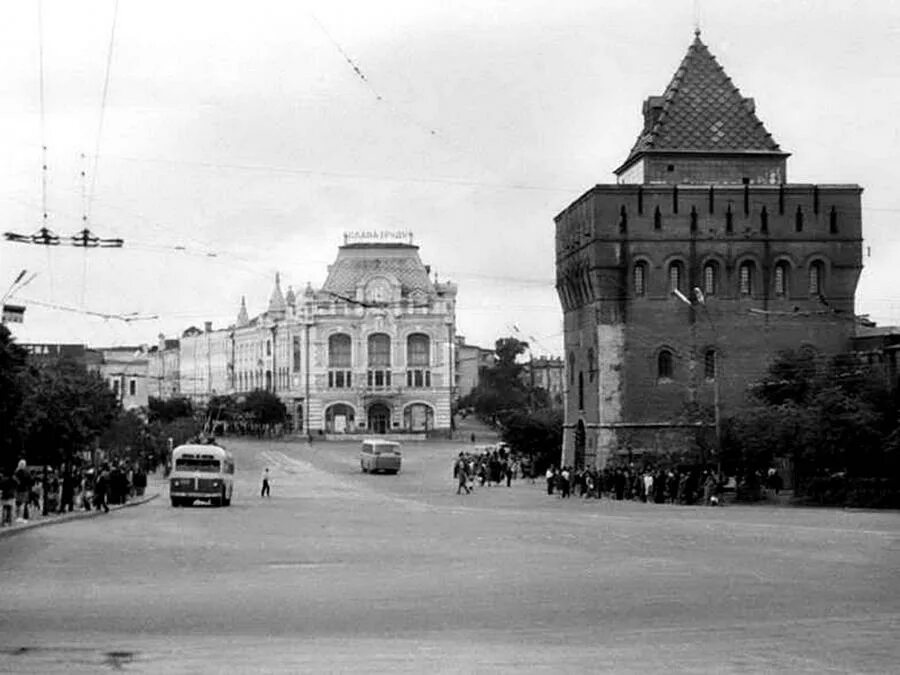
(7, 498)
(101, 489)
(550, 475)
(265, 491)
(462, 475)
(23, 491)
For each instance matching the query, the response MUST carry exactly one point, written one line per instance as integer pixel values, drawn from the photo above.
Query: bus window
(201, 465)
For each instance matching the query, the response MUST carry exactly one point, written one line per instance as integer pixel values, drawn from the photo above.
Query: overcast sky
(236, 141)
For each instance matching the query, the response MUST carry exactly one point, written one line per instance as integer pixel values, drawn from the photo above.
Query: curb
(75, 515)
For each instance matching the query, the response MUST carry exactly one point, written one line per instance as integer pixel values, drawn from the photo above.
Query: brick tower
(683, 280)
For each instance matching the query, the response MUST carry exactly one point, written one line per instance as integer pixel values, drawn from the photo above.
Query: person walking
(7, 498)
(462, 475)
(266, 490)
(23, 491)
(101, 490)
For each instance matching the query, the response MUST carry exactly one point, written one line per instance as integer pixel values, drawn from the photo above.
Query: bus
(377, 455)
(201, 472)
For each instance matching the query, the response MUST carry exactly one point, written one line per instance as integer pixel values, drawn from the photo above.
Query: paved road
(341, 571)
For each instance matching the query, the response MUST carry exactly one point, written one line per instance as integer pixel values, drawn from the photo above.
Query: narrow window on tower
(640, 279)
(832, 221)
(815, 278)
(764, 220)
(729, 220)
(710, 278)
(709, 364)
(746, 278)
(657, 219)
(664, 365)
(798, 219)
(676, 276)
(781, 279)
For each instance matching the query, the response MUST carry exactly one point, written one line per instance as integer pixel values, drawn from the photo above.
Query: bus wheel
(176, 502)
(362, 467)
(226, 501)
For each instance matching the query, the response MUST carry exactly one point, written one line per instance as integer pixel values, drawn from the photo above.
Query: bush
(840, 490)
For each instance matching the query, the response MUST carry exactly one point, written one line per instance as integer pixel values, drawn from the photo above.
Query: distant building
(164, 377)
(877, 347)
(370, 352)
(126, 370)
(547, 373)
(471, 362)
(43, 353)
(682, 281)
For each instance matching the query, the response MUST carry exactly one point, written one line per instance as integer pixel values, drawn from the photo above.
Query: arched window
(592, 369)
(781, 279)
(746, 280)
(640, 278)
(571, 368)
(417, 348)
(709, 364)
(340, 361)
(816, 273)
(676, 276)
(710, 278)
(664, 365)
(418, 373)
(339, 351)
(379, 371)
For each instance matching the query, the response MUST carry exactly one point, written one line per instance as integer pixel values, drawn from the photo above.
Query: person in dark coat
(101, 490)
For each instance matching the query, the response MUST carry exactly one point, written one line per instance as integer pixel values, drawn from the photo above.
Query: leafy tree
(826, 416)
(167, 410)
(264, 407)
(12, 370)
(537, 435)
(65, 408)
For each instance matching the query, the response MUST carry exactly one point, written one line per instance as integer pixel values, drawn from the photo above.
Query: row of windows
(665, 364)
(748, 278)
(132, 386)
(340, 351)
(377, 378)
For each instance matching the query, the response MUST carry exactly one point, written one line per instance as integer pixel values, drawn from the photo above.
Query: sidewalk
(155, 485)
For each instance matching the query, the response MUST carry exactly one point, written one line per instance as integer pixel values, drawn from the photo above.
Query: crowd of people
(27, 492)
(487, 467)
(653, 485)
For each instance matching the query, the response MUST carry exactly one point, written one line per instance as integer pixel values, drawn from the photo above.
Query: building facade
(163, 369)
(471, 362)
(126, 369)
(680, 282)
(370, 352)
(547, 373)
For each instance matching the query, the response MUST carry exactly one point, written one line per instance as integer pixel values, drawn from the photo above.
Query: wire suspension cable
(44, 217)
(109, 56)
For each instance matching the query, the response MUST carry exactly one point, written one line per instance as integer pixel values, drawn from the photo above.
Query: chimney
(207, 326)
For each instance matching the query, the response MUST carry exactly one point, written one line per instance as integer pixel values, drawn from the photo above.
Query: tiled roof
(701, 111)
(356, 263)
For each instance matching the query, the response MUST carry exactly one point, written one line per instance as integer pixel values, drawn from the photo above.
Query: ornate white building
(371, 352)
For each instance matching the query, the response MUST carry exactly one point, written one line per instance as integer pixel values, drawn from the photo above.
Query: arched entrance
(339, 419)
(379, 418)
(580, 436)
(418, 417)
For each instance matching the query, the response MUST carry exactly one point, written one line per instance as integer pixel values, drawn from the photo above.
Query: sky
(227, 141)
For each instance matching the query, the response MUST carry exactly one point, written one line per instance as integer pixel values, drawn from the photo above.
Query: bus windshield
(201, 465)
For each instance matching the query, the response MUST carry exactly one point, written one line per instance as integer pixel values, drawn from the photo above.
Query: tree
(167, 410)
(12, 370)
(65, 408)
(264, 408)
(537, 435)
(828, 416)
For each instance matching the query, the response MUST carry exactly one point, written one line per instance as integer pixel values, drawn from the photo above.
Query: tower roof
(277, 305)
(357, 262)
(701, 111)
